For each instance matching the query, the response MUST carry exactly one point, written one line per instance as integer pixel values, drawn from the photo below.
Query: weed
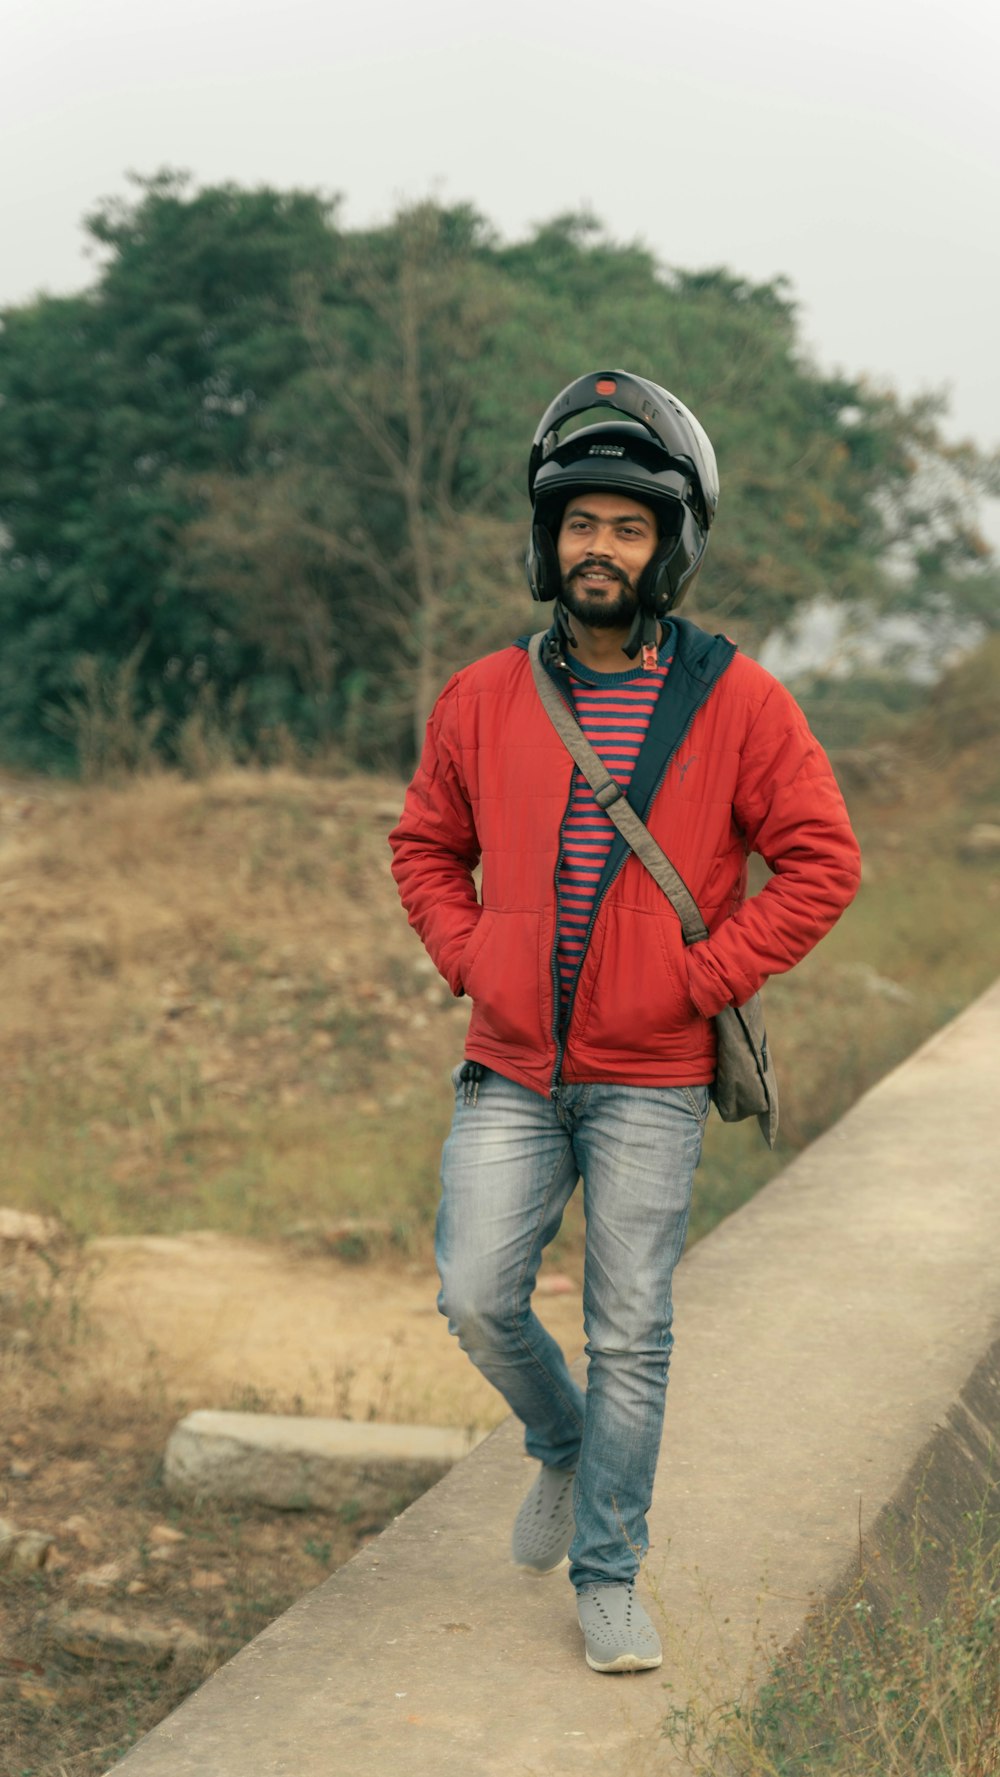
(249, 1399)
(209, 739)
(112, 738)
(352, 1248)
(343, 1381)
(876, 1684)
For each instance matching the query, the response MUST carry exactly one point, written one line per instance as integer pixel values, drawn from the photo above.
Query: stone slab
(825, 1334)
(307, 1464)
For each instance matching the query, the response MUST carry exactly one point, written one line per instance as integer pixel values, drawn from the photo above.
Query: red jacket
(728, 766)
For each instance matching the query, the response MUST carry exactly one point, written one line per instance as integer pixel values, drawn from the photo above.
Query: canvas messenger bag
(745, 1085)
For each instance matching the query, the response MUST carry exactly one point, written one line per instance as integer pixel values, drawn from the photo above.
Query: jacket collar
(704, 657)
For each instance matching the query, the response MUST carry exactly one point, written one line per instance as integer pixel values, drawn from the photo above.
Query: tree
(114, 405)
(374, 467)
(270, 460)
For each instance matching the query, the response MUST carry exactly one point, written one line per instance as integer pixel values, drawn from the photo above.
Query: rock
(205, 1579)
(981, 841)
(52, 1689)
(97, 1635)
(22, 1229)
(163, 1534)
(83, 1532)
(31, 1551)
(35, 1690)
(308, 1464)
(23, 1551)
(103, 1578)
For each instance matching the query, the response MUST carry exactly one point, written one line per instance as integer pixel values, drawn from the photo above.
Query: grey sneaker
(543, 1528)
(619, 1635)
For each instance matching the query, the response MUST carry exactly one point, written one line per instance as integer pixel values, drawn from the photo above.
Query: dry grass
(869, 1691)
(216, 1016)
(80, 1460)
(213, 1014)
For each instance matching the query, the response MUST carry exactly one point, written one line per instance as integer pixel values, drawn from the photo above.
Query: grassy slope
(215, 1015)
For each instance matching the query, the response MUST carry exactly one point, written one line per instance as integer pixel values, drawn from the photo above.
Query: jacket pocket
(473, 945)
(633, 991)
(502, 976)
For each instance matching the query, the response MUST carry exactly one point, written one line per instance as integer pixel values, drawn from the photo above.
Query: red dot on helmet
(605, 385)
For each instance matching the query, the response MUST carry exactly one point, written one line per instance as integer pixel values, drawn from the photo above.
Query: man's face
(604, 542)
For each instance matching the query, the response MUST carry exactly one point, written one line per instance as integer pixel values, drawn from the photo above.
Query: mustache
(603, 567)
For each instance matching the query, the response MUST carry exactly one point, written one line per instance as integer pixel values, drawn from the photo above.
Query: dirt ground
(213, 1321)
(102, 1349)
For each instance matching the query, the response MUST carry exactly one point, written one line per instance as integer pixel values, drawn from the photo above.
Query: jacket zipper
(561, 1033)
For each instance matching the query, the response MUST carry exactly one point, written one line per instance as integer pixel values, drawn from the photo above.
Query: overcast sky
(854, 148)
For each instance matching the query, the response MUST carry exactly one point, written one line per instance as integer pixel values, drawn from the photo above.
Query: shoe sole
(539, 1573)
(541, 1547)
(626, 1663)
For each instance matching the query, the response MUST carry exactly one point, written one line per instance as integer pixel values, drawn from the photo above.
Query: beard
(593, 610)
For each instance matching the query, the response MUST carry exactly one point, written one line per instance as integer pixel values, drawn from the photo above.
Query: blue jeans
(510, 1166)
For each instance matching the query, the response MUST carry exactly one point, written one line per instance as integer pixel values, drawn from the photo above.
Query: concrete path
(823, 1333)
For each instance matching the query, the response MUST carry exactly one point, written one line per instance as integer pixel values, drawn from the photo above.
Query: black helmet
(660, 455)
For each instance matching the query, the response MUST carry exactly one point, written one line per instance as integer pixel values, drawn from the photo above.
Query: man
(591, 1046)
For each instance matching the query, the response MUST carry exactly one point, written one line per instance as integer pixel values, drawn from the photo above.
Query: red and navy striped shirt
(613, 709)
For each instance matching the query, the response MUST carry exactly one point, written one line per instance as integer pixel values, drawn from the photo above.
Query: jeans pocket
(699, 1099)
